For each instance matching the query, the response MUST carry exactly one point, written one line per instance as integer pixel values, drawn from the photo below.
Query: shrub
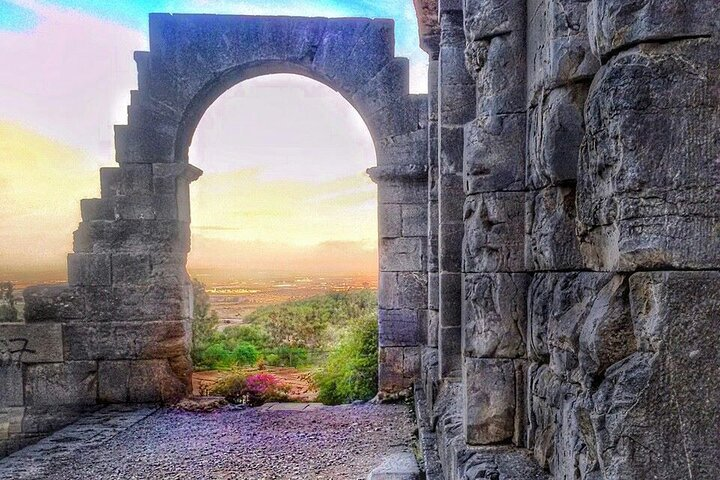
(283, 356)
(350, 372)
(252, 390)
(245, 354)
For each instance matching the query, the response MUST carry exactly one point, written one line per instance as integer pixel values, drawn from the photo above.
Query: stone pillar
(430, 371)
(494, 282)
(402, 295)
(455, 107)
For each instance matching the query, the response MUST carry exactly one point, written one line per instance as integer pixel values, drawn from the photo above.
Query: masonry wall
(590, 265)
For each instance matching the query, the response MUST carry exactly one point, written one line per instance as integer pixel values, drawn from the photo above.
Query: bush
(350, 372)
(252, 390)
(245, 354)
(294, 357)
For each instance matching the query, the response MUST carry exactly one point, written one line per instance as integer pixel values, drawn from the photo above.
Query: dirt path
(330, 443)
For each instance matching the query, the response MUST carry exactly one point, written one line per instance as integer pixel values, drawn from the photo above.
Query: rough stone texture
(550, 240)
(30, 343)
(615, 24)
(556, 127)
(494, 232)
(495, 315)
(648, 187)
(489, 400)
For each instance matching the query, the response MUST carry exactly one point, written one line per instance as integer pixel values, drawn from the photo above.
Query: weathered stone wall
(119, 332)
(591, 239)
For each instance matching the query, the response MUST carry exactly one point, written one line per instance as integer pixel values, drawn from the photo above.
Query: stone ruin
(549, 220)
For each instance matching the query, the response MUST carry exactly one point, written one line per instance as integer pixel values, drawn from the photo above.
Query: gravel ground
(344, 442)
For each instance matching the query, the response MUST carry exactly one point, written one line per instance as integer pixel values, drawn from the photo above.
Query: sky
(284, 157)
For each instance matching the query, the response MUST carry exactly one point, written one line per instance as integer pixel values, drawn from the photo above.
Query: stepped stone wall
(590, 291)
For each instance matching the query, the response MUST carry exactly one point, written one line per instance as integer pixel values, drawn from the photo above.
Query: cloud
(69, 78)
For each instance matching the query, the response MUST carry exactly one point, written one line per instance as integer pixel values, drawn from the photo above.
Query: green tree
(351, 369)
(8, 310)
(205, 322)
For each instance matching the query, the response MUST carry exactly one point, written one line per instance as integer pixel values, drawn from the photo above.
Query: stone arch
(126, 311)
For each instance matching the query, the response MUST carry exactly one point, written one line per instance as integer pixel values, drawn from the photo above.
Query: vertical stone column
(455, 107)
(560, 68)
(494, 282)
(429, 360)
(402, 295)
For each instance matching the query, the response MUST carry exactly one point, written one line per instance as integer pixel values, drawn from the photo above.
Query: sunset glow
(284, 157)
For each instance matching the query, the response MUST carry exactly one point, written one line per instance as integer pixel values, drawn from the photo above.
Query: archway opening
(284, 242)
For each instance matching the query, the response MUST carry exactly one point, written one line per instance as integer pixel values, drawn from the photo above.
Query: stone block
(433, 324)
(390, 220)
(393, 80)
(498, 65)
(88, 269)
(47, 303)
(398, 328)
(402, 254)
(11, 379)
(450, 246)
(450, 141)
(558, 45)
(433, 246)
(132, 236)
(614, 24)
(489, 400)
(97, 209)
(648, 189)
(449, 351)
(125, 340)
(433, 291)
(491, 18)
(109, 182)
(579, 322)
(402, 290)
(402, 192)
(556, 129)
(451, 198)
(652, 397)
(391, 371)
(407, 149)
(414, 220)
(559, 432)
(135, 179)
(494, 154)
(30, 343)
(450, 299)
(550, 239)
(147, 207)
(68, 383)
(140, 381)
(494, 233)
(133, 303)
(495, 315)
(128, 268)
